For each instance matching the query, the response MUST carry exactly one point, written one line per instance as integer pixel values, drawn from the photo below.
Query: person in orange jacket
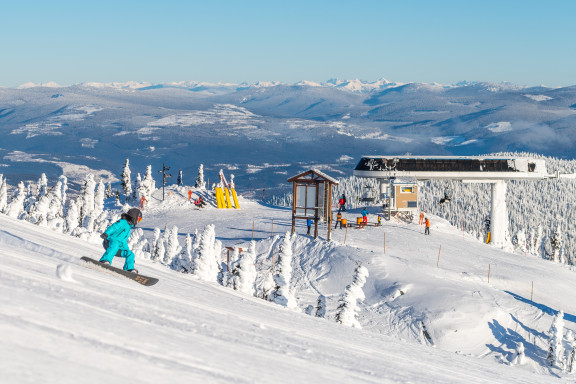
(427, 230)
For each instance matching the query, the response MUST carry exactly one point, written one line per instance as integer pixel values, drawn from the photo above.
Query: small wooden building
(312, 198)
(404, 195)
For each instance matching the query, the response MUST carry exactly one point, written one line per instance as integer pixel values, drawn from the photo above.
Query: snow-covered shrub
(3, 194)
(183, 261)
(200, 178)
(347, 313)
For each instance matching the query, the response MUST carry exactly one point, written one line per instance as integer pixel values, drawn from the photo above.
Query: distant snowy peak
(49, 84)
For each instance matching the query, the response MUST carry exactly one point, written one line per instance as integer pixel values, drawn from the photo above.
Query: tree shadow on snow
(509, 340)
(542, 307)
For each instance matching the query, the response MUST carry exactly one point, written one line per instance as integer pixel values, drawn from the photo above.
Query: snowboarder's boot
(133, 271)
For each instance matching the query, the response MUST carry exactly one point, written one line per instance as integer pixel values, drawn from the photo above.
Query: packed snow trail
(101, 328)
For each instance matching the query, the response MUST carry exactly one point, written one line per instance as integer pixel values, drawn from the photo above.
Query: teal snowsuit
(116, 244)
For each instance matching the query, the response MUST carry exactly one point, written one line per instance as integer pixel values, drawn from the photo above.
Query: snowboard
(144, 280)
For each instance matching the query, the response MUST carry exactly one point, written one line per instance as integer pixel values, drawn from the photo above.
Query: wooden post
(532, 291)
(488, 273)
(384, 242)
(438, 262)
(272, 230)
(345, 233)
(252, 229)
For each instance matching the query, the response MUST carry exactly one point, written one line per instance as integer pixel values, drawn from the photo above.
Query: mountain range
(268, 131)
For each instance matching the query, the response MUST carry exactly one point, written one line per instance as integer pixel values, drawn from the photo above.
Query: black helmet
(133, 216)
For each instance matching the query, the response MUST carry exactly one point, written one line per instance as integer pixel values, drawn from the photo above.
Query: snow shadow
(509, 340)
(542, 307)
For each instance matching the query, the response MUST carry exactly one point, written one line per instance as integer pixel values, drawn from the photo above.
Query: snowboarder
(427, 229)
(309, 224)
(445, 198)
(199, 202)
(116, 239)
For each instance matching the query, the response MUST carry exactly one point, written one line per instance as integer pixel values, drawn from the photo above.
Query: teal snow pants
(118, 248)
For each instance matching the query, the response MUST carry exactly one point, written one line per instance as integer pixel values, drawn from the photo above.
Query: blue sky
(524, 42)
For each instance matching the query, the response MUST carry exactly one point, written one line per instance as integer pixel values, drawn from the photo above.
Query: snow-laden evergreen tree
(183, 262)
(282, 275)
(87, 202)
(155, 247)
(126, 181)
(173, 247)
(266, 287)
(206, 263)
(16, 206)
(200, 178)
(244, 271)
(63, 192)
(556, 246)
(99, 197)
(320, 307)
(109, 192)
(3, 194)
(226, 276)
(555, 348)
(520, 242)
(72, 217)
(137, 243)
(138, 188)
(179, 179)
(148, 184)
(42, 187)
(347, 313)
(538, 241)
(571, 353)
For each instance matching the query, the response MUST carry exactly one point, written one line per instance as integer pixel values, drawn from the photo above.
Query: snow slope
(61, 320)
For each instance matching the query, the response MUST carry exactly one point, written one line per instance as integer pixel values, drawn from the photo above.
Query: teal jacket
(119, 231)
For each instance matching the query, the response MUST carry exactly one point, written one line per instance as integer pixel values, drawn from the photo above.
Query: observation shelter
(468, 169)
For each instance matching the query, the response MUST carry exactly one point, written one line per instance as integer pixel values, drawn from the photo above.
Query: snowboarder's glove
(104, 236)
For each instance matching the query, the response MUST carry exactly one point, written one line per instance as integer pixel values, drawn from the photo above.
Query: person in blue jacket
(309, 224)
(364, 216)
(116, 239)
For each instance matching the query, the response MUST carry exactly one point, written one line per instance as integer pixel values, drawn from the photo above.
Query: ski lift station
(468, 169)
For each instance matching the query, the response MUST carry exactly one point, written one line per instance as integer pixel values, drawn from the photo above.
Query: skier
(116, 239)
(427, 230)
(364, 216)
(309, 224)
(199, 202)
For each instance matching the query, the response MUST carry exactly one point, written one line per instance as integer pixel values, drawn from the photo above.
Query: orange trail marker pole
(438, 262)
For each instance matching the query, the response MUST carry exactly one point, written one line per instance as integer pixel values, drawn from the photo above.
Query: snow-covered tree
(183, 262)
(155, 253)
(109, 192)
(16, 206)
(3, 194)
(200, 178)
(347, 313)
(555, 348)
(206, 263)
(42, 187)
(148, 184)
(244, 271)
(520, 241)
(282, 275)
(179, 179)
(320, 307)
(72, 217)
(99, 197)
(571, 353)
(87, 202)
(126, 181)
(520, 357)
(556, 246)
(267, 285)
(173, 247)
